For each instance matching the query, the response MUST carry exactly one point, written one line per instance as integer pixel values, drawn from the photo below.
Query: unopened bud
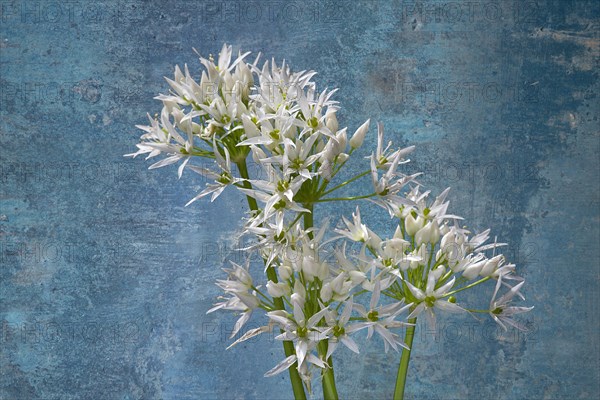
(278, 289)
(359, 136)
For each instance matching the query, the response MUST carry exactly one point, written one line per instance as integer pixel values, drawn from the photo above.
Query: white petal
(449, 307)
(418, 309)
(282, 366)
(349, 343)
(250, 334)
(164, 162)
(415, 291)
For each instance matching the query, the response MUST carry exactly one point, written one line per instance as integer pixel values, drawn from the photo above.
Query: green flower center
(497, 311)
(280, 204)
(338, 331)
(296, 164)
(430, 300)
(225, 178)
(274, 134)
(302, 331)
(282, 186)
(280, 237)
(313, 122)
(373, 316)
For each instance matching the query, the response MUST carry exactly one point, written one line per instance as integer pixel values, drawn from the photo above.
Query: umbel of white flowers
(239, 109)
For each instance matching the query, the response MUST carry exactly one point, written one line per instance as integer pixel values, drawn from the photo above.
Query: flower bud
(322, 271)
(285, 272)
(473, 270)
(359, 136)
(439, 255)
(331, 121)
(249, 127)
(299, 290)
(398, 233)
(310, 268)
(326, 169)
(430, 233)
(422, 253)
(357, 277)
(342, 157)
(448, 242)
(434, 234)
(412, 224)
(326, 292)
(341, 141)
(278, 289)
(438, 272)
(337, 284)
(491, 265)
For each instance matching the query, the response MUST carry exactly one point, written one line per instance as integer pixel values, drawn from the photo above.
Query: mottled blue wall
(105, 277)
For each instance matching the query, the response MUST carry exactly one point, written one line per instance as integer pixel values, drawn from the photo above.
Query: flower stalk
(288, 346)
(404, 360)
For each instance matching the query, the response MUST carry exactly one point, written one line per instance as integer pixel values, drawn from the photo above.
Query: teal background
(105, 277)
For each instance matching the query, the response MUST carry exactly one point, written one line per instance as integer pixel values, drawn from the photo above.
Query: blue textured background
(105, 277)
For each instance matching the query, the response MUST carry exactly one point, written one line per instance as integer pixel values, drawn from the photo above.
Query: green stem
(288, 346)
(346, 182)
(243, 168)
(366, 196)
(329, 389)
(466, 287)
(403, 367)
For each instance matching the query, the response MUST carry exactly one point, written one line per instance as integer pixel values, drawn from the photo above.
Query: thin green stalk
(366, 196)
(288, 346)
(403, 367)
(466, 287)
(329, 389)
(346, 182)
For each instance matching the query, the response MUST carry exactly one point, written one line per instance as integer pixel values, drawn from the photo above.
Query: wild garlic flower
(380, 318)
(432, 298)
(501, 310)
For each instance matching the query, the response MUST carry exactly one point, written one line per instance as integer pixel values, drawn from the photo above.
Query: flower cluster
(319, 296)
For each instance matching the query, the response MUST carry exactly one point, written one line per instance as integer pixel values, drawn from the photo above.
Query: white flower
(340, 330)
(357, 231)
(432, 298)
(303, 332)
(222, 180)
(381, 318)
(501, 310)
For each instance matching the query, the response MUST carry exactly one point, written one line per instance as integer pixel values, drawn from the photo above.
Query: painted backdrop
(105, 277)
